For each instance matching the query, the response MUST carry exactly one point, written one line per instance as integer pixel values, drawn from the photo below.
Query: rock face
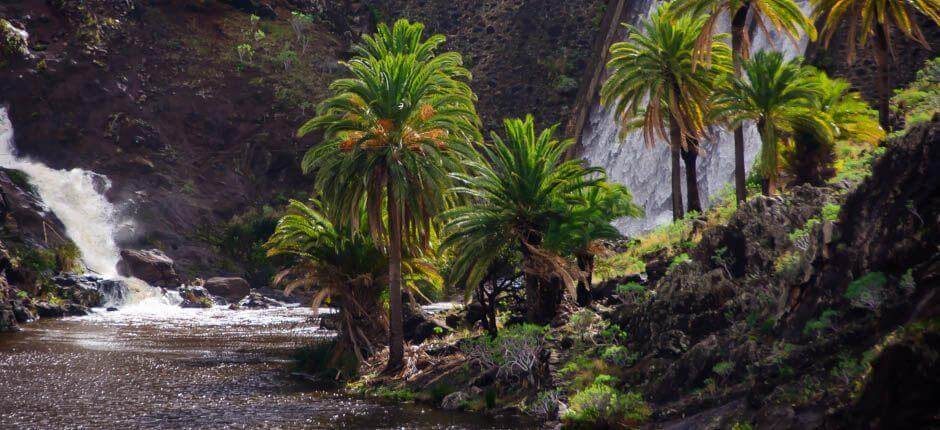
(232, 289)
(24, 215)
(759, 313)
(151, 266)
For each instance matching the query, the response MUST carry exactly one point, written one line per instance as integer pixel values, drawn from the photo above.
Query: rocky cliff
(155, 95)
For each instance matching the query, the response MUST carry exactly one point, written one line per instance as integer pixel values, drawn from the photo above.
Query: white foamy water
(646, 170)
(75, 196)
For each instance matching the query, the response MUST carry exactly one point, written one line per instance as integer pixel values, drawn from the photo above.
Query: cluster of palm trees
(677, 73)
(405, 178)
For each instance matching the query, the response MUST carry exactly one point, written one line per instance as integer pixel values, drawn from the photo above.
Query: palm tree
(583, 229)
(875, 19)
(809, 160)
(392, 135)
(779, 95)
(343, 266)
(783, 15)
(522, 186)
(654, 82)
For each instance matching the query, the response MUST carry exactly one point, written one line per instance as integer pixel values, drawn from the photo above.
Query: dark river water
(152, 366)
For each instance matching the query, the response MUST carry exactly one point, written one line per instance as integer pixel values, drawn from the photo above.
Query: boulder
(419, 326)
(232, 289)
(7, 318)
(455, 401)
(255, 300)
(151, 266)
(91, 290)
(49, 310)
(23, 311)
(194, 297)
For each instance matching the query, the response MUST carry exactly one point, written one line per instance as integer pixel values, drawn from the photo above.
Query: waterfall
(76, 197)
(646, 170)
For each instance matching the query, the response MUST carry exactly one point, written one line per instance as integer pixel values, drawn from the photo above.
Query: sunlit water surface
(153, 365)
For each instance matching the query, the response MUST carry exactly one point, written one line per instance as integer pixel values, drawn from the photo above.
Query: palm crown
(519, 189)
(783, 15)
(777, 94)
(404, 114)
(868, 17)
(656, 64)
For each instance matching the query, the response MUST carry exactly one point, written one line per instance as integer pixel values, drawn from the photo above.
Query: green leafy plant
(618, 355)
(822, 324)
(830, 212)
(868, 291)
(602, 405)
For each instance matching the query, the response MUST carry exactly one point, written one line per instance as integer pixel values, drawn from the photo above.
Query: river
(157, 366)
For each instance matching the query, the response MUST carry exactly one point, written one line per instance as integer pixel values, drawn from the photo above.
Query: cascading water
(646, 170)
(76, 197)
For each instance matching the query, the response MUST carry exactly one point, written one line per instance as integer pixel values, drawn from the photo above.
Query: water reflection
(153, 367)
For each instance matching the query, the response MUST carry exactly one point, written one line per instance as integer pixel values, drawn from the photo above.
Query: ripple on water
(160, 366)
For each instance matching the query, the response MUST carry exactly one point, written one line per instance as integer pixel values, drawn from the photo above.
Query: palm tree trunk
(675, 137)
(883, 83)
(768, 157)
(738, 29)
(586, 266)
(689, 156)
(396, 332)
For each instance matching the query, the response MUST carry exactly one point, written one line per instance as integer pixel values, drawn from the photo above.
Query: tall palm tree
(810, 159)
(522, 185)
(779, 95)
(392, 135)
(654, 83)
(581, 231)
(875, 19)
(783, 15)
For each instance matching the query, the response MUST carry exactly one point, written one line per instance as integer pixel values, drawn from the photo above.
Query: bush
(618, 355)
(602, 405)
(514, 353)
(830, 212)
(921, 99)
(821, 324)
(867, 292)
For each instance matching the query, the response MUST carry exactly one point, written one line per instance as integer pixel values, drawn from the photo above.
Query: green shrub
(398, 395)
(680, 259)
(515, 353)
(618, 355)
(920, 101)
(821, 324)
(867, 292)
(37, 260)
(830, 212)
(602, 405)
(723, 368)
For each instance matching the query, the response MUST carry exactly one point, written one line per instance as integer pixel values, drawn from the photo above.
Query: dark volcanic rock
(232, 289)
(151, 266)
(7, 318)
(48, 310)
(23, 213)
(419, 326)
(91, 290)
(194, 297)
(255, 300)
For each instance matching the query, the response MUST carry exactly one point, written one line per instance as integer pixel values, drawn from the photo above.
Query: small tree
(301, 24)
